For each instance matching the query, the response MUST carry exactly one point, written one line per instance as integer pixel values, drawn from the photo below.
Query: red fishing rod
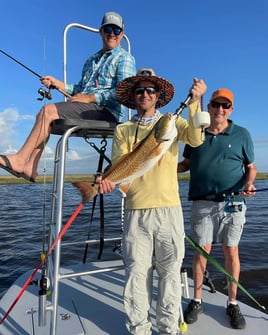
(42, 92)
(44, 257)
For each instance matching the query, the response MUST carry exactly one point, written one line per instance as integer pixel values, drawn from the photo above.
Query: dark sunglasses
(116, 30)
(224, 105)
(141, 90)
(145, 73)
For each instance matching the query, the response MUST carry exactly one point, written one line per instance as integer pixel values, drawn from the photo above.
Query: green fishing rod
(222, 269)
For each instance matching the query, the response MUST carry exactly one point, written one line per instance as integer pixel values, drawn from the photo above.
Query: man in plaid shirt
(93, 98)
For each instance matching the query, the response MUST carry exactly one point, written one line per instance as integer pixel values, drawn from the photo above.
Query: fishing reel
(44, 94)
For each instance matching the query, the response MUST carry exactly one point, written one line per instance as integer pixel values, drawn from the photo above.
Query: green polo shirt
(217, 166)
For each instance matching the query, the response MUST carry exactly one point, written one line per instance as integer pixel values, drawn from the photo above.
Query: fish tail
(87, 190)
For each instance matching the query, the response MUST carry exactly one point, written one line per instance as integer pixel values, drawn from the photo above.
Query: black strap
(100, 167)
(89, 230)
(102, 156)
(101, 226)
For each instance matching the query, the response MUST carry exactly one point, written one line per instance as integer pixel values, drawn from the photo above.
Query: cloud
(73, 155)
(9, 129)
(48, 150)
(10, 150)
(9, 115)
(8, 119)
(27, 117)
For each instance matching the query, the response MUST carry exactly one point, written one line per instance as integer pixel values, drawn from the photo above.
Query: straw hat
(125, 88)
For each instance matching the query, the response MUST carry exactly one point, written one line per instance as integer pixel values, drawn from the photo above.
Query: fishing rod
(42, 92)
(183, 105)
(258, 190)
(232, 193)
(44, 257)
(222, 269)
(200, 120)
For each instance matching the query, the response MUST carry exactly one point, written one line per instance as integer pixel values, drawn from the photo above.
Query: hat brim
(125, 92)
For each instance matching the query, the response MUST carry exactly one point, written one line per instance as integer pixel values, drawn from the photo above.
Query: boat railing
(110, 239)
(57, 212)
(90, 29)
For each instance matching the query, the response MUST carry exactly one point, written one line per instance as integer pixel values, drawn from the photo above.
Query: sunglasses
(141, 90)
(224, 105)
(146, 73)
(109, 29)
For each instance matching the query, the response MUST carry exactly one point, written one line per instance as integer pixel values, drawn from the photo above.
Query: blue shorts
(215, 222)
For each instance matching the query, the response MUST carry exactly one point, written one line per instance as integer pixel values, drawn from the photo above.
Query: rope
(202, 103)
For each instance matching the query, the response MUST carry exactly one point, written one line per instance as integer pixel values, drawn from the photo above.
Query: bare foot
(12, 162)
(29, 172)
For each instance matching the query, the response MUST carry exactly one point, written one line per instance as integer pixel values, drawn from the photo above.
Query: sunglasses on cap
(146, 73)
(116, 30)
(149, 90)
(224, 105)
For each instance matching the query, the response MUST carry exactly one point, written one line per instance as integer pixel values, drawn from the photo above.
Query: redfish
(145, 155)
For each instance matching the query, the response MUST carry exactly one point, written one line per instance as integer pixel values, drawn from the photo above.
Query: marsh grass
(90, 177)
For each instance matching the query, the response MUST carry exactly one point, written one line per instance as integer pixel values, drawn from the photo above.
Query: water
(25, 213)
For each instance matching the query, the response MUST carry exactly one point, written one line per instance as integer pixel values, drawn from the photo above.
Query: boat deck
(92, 304)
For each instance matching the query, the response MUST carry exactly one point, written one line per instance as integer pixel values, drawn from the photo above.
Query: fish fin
(156, 151)
(124, 188)
(87, 190)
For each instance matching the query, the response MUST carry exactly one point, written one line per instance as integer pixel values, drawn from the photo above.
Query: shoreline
(44, 179)
(9, 179)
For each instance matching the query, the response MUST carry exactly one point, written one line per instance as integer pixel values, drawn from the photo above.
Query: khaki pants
(153, 237)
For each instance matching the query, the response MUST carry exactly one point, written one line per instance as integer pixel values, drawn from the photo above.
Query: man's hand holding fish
(144, 164)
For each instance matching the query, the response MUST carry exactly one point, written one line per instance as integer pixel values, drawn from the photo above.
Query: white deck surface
(93, 304)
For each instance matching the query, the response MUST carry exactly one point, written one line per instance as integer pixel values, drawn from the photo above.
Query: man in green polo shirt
(222, 173)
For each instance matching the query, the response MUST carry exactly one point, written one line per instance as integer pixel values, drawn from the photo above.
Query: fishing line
(222, 269)
(44, 242)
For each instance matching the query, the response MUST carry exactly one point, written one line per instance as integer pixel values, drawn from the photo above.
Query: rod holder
(42, 308)
(184, 283)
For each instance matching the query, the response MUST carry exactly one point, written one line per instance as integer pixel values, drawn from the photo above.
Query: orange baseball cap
(223, 93)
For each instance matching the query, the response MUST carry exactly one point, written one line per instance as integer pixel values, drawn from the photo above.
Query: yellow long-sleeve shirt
(159, 186)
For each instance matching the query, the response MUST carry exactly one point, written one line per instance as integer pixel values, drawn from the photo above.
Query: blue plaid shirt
(101, 74)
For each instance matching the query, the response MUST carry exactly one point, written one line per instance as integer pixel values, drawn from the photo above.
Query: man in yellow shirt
(153, 233)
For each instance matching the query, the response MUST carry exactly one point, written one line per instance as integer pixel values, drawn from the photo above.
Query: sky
(222, 42)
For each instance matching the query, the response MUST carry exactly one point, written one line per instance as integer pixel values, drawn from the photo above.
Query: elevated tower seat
(84, 128)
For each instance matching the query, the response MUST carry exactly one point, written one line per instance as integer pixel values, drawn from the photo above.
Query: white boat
(88, 298)
(91, 302)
